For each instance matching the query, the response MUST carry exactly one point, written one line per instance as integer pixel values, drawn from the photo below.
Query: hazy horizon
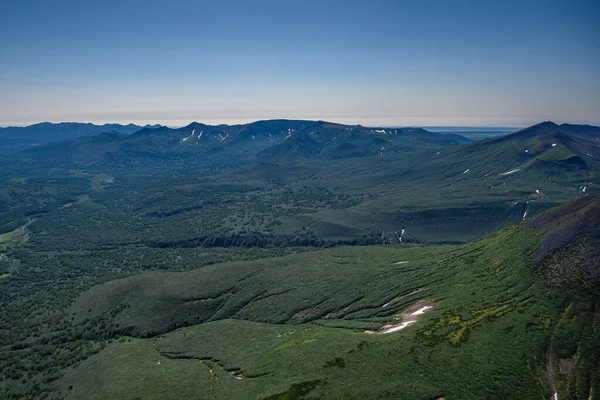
(378, 63)
(184, 123)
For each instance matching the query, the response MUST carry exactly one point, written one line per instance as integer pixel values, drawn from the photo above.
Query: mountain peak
(194, 125)
(542, 126)
(546, 129)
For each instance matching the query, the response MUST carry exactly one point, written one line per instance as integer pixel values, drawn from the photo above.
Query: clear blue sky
(372, 62)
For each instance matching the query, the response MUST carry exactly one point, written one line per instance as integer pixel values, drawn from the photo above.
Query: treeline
(263, 241)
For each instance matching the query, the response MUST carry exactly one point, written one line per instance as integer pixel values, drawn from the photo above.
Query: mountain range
(18, 138)
(371, 182)
(259, 141)
(273, 140)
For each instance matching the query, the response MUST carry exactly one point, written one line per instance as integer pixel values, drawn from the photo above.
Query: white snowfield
(509, 172)
(421, 310)
(409, 319)
(401, 235)
(397, 328)
(188, 137)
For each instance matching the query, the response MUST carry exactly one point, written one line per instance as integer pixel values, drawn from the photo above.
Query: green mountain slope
(503, 317)
(457, 194)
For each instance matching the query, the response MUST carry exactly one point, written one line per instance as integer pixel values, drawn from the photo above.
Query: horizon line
(243, 121)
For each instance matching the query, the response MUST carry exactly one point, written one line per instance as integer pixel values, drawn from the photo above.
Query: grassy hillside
(309, 325)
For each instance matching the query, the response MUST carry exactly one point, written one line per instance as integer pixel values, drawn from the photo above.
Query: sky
(377, 63)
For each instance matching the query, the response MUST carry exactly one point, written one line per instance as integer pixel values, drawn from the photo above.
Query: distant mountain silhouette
(18, 138)
(260, 141)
